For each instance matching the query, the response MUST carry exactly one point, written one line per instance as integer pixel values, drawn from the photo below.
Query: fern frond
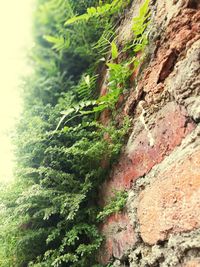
(77, 110)
(59, 43)
(103, 45)
(86, 86)
(106, 9)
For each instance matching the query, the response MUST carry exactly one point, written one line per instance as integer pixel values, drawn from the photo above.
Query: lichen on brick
(174, 252)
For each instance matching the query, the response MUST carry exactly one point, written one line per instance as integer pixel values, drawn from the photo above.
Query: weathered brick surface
(168, 90)
(192, 263)
(119, 235)
(182, 31)
(169, 128)
(172, 203)
(184, 82)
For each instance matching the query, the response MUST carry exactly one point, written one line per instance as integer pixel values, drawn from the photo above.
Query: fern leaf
(114, 50)
(110, 9)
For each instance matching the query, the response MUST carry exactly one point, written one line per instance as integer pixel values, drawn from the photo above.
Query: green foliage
(77, 110)
(101, 10)
(119, 73)
(86, 86)
(141, 22)
(50, 215)
(114, 50)
(102, 46)
(116, 204)
(118, 81)
(139, 27)
(59, 43)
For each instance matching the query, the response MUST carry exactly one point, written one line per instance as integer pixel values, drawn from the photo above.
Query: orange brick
(171, 204)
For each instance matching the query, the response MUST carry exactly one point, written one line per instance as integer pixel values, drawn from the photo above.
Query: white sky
(15, 40)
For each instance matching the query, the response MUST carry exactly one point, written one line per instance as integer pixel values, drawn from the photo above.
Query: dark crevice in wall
(193, 4)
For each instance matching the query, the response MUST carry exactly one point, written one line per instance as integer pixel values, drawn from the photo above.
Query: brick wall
(160, 165)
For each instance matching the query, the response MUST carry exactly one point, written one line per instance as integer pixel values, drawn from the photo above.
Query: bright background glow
(15, 41)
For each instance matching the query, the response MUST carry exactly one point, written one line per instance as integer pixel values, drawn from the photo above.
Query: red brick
(182, 29)
(169, 129)
(120, 237)
(171, 204)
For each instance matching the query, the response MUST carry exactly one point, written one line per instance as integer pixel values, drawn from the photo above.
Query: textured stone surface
(192, 263)
(169, 128)
(160, 166)
(181, 33)
(120, 237)
(184, 82)
(172, 203)
(166, 10)
(125, 29)
(182, 248)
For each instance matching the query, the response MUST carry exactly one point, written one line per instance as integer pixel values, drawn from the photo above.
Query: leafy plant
(114, 50)
(86, 86)
(50, 216)
(102, 46)
(139, 27)
(116, 204)
(77, 110)
(119, 73)
(59, 43)
(102, 9)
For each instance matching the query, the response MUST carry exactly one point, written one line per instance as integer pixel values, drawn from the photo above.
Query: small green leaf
(51, 39)
(114, 66)
(114, 50)
(91, 11)
(77, 18)
(144, 8)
